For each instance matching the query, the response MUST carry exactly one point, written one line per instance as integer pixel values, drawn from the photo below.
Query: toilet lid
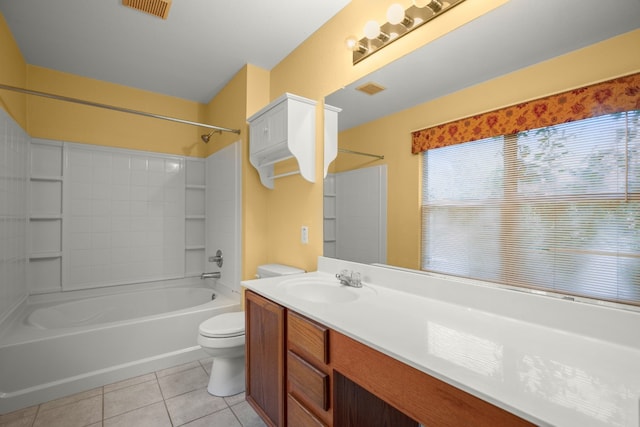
(223, 325)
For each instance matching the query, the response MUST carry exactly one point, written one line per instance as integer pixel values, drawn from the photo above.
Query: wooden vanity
(301, 373)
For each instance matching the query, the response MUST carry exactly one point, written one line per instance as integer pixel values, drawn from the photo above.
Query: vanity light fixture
(400, 22)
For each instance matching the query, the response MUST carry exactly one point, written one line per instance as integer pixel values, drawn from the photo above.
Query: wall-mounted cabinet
(284, 129)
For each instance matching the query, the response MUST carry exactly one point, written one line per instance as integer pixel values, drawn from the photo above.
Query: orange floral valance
(621, 94)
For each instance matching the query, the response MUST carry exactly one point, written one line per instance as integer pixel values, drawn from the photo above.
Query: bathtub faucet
(212, 275)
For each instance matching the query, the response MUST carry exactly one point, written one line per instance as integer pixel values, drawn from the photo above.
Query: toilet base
(227, 376)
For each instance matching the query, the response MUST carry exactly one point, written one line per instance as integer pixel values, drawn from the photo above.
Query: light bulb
(351, 43)
(395, 14)
(371, 30)
(434, 5)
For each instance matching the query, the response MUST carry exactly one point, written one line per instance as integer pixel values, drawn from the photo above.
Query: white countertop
(550, 361)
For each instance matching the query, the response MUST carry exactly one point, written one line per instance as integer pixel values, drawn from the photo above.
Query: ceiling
(513, 36)
(191, 55)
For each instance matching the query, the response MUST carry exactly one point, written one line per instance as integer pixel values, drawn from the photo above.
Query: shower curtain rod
(360, 153)
(114, 108)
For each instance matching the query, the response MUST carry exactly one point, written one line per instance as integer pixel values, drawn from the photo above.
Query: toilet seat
(223, 325)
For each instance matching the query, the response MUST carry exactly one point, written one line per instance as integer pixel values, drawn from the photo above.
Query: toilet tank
(273, 270)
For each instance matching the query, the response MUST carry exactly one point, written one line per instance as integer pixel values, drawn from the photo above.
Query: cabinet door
(265, 353)
(277, 124)
(259, 134)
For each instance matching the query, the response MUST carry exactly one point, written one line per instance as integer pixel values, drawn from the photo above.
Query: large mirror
(449, 78)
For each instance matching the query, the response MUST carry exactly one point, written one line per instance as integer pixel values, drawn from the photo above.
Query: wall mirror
(511, 37)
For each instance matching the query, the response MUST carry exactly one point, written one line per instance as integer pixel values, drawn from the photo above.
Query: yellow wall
(13, 72)
(391, 137)
(71, 122)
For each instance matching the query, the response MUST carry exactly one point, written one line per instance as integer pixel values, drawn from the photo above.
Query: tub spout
(212, 275)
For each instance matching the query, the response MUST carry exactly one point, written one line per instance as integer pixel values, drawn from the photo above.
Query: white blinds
(555, 208)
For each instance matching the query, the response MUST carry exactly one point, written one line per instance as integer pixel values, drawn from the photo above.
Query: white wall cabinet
(284, 129)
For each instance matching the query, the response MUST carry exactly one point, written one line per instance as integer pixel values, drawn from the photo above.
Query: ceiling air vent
(371, 88)
(159, 8)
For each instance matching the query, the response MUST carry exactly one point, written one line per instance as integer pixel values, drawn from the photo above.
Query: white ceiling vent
(159, 8)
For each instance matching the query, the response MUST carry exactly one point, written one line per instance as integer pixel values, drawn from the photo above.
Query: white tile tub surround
(124, 216)
(224, 213)
(13, 213)
(552, 361)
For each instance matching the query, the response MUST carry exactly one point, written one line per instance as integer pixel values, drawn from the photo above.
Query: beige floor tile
(130, 398)
(235, 399)
(77, 414)
(222, 418)
(183, 382)
(19, 418)
(129, 382)
(154, 415)
(206, 364)
(247, 416)
(176, 369)
(71, 399)
(193, 405)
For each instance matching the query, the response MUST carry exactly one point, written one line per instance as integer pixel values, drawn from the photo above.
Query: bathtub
(52, 346)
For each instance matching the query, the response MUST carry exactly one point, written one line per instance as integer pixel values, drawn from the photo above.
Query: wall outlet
(304, 234)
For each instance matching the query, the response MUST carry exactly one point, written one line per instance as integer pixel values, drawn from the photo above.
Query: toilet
(222, 337)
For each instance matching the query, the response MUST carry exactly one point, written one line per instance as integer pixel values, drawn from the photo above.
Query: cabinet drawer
(311, 381)
(299, 416)
(308, 338)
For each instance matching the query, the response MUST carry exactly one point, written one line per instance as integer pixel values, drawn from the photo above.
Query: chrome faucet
(349, 278)
(212, 275)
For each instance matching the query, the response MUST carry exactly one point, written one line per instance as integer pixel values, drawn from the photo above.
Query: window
(555, 208)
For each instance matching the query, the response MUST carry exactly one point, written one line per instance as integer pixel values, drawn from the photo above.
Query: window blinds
(555, 208)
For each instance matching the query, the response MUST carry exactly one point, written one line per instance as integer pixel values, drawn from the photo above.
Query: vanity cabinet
(265, 359)
(301, 373)
(309, 376)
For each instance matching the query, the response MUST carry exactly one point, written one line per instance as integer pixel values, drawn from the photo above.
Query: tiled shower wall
(13, 212)
(102, 216)
(126, 216)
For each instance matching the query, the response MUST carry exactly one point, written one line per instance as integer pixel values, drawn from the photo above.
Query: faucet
(212, 275)
(349, 278)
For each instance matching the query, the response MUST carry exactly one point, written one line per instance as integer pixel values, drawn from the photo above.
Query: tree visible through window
(556, 208)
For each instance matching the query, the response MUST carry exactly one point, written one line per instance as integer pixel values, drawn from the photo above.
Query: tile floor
(171, 397)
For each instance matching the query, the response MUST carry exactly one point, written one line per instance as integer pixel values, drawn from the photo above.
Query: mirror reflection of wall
(474, 69)
(355, 215)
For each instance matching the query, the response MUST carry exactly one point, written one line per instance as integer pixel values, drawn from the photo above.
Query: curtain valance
(621, 94)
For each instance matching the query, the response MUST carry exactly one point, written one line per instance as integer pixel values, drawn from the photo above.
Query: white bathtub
(53, 346)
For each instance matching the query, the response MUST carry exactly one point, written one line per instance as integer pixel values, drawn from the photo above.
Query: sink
(323, 290)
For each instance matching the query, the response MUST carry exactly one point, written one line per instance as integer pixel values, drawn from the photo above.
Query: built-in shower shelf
(196, 187)
(46, 178)
(45, 217)
(188, 217)
(45, 255)
(195, 248)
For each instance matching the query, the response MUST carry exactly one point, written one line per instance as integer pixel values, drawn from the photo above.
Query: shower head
(207, 137)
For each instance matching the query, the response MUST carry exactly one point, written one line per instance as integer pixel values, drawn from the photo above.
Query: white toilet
(222, 337)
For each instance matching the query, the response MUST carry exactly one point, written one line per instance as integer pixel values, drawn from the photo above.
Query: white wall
(14, 144)
(223, 219)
